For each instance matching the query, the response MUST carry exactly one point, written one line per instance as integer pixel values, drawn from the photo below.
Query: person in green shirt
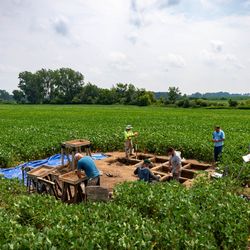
(128, 134)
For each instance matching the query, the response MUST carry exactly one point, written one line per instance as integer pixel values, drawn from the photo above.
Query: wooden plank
(76, 143)
(159, 172)
(165, 178)
(46, 181)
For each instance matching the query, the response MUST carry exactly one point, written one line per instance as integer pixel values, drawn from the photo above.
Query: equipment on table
(72, 147)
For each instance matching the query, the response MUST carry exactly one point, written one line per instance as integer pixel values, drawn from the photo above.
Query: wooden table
(54, 177)
(72, 181)
(34, 174)
(73, 147)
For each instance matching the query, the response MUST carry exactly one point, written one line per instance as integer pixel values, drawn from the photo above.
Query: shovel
(136, 145)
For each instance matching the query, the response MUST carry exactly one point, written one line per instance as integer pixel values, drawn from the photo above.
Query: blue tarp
(54, 161)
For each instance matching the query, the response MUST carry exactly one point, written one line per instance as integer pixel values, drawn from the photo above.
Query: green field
(32, 132)
(208, 215)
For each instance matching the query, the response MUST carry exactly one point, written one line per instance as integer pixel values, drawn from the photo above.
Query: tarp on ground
(55, 160)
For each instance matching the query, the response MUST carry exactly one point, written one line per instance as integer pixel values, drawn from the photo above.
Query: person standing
(218, 140)
(174, 163)
(128, 134)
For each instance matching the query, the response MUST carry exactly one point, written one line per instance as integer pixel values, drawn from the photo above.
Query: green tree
(173, 94)
(232, 103)
(120, 91)
(31, 86)
(144, 98)
(18, 96)
(106, 96)
(130, 94)
(68, 83)
(47, 81)
(89, 94)
(4, 95)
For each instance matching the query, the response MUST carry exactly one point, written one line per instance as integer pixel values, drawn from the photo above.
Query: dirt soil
(114, 172)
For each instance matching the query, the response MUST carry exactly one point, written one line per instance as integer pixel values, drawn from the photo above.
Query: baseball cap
(147, 161)
(129, 127)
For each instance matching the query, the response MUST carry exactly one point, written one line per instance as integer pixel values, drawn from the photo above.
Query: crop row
(142, 216)
(31, 132)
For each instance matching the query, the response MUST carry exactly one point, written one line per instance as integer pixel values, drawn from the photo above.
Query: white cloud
(233, 61)
(8, 69)
(209, 57)
(132, 37)
(173, 61)
(60, 26)
(221, 61)
(216, 45)
(212, 4)
(177, 43)
(120, 62)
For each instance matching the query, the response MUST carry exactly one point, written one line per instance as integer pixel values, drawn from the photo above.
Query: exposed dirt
(114, 172)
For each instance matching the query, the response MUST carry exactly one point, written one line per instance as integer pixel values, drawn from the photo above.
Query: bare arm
(152, 176)
(79, 173)
(218, 140)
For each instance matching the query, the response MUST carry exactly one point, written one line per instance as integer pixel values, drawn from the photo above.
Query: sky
(196, 45)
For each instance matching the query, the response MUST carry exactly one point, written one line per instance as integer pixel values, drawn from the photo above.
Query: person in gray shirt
(174, 163)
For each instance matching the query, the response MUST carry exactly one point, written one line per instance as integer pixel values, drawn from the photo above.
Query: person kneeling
(144, 173)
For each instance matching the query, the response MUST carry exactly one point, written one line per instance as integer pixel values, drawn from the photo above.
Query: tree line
(66, 86)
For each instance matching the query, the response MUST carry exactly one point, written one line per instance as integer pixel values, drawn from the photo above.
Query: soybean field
(211, 214)
(30, 132)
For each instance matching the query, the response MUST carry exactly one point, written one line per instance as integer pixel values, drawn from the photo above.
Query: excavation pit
(161, 168)
(117, 169)
(183, 179)
(159, 159)
(188, 174)
(127, 162)
(142, 156)
(197, 167)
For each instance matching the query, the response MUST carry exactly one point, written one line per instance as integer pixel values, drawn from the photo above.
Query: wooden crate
(97, 193)
(76, 143)
(41, 171)
(72, 177)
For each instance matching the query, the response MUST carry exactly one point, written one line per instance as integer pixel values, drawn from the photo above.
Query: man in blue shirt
(218, 140)
(87, 164)
(144, 172)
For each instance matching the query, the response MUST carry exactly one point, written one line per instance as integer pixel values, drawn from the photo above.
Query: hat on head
(129, 127)
(147, 161)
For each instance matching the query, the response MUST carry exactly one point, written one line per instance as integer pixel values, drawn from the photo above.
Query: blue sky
(197, 45)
